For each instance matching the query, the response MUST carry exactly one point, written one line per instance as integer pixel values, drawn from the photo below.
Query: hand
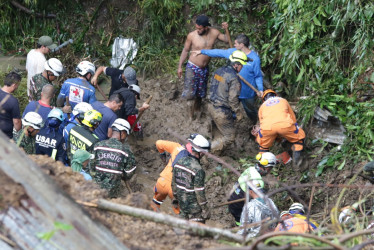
(205, 213)
(260, 94)
(145, 106)
(239, 116)
(255, 130)
(195, 52)
(180, 71)
(175, 203)
(163, 157)
(94, 81)
(66, 109)
(225, 25)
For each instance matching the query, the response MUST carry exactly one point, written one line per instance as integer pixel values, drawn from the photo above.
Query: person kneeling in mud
(113, 159)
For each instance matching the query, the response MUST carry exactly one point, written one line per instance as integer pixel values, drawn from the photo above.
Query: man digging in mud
(197, 70)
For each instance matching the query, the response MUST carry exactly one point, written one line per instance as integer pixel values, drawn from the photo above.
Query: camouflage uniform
(37, 83)
(224, 103)
(113, 162)
(27, 143)
(188, 188)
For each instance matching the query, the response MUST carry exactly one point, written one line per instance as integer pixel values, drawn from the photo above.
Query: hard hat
(297, 206)
(121, 124)
(135, 88)
(56, 113)
(55, 66)
(239, 56)
(82, 107)
(267, 159)
(92, 118)
(268, 91)
(284, 213)
(33, 119)
(85, 67)
(199, 141)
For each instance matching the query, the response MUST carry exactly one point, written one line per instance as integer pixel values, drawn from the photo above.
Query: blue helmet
(56, 113)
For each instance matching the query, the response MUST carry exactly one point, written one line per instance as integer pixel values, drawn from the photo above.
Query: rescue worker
(42, 106)
(257, 210)
(277, 119)
(81, 136)
(113, 159)
(49, 141)
(263, 166)
(162, 188)
(223, 100)
(189, 180)
(52, 69)
(292, 224)
(78, 89)
(297, 210)
(31, 124)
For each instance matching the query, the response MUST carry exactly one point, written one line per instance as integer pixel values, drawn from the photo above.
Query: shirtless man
(197, 70)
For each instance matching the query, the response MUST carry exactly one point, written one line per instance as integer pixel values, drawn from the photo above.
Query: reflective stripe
(79, 86)
(185, 189)
(199, 189)
(129, 171)
(297, 128)
(112, 149)
(81, 137)
(157, 202)
(259, 133)
(185, 169)
(53, 155)
(108, 170)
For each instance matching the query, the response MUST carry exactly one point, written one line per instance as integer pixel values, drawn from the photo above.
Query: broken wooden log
(45, 205)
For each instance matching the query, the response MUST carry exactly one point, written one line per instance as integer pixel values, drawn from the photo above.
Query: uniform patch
(219, 78)
(76, 94)
(272, 102)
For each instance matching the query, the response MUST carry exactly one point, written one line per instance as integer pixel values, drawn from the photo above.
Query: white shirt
(34, 65)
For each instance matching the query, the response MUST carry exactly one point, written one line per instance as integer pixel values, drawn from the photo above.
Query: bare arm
(221, 36)
(184, 54)
(98, 72)
(17, 123)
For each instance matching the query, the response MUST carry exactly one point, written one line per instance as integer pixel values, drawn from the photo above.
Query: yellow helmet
(92, 118)
(268, 91)
(239, 56)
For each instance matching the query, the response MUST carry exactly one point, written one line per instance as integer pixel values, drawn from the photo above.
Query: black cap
(203, 20)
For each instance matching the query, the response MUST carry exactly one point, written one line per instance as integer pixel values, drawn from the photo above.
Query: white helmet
(135, 88)
(55, 66)
(33, 119)
(297, 206)
(199, 141)
(85, 67)
(267, 159)
(122, 124)
(82, 107)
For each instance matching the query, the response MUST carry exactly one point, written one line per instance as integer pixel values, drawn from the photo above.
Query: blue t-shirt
(67, 128)
(10, 111)
(250, 72)
(78, 90)
(43, 109)
(108, 118)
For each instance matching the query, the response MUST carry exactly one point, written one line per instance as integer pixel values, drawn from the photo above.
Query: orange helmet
(268, 91)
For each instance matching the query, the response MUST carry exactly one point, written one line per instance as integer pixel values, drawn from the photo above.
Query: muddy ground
(167, 115)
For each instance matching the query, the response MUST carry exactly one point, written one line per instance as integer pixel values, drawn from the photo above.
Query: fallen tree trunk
(193, 227)
(45, 205)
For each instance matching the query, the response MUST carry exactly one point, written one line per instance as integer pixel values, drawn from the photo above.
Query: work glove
(163, 157)
(205, 213)
(175, 203)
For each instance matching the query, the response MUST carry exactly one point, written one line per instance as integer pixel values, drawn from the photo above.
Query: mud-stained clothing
(80, 137)
(77, 90)
(240, 187)
(49, 142)
(195, 81)
(257, 210)
(27, 143)
(295, 225)
(278, 119)
(224, 103)
(113, 162)
(162, 188)
(129, 104)
(188, 188)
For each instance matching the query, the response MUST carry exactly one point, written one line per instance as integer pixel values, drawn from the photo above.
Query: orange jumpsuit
(295, 225)
(163, 184)
(278, 119)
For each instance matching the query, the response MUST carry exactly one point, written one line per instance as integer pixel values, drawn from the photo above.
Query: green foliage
(58, 226)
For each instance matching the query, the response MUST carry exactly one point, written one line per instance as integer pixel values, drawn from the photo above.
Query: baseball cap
(130, 75)
(47, 41)
(203, 20)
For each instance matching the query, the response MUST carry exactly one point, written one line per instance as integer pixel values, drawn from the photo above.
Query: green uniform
(27, 143)
(188, 187)
(113, 162)
(37, 83)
